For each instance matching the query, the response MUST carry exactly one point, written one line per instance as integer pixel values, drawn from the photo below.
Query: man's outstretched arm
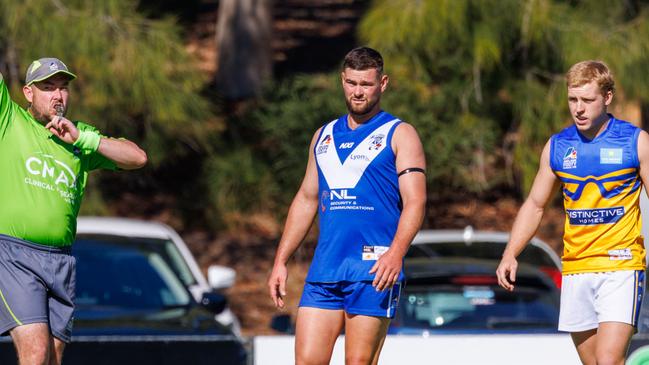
(126, 154)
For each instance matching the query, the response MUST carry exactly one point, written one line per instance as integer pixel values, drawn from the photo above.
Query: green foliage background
(135, 78)
(492, 71)
(481, 80)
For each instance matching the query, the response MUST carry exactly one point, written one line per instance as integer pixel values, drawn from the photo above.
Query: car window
(477, 307)
(479, 249)
(119, 273)
(178, 264)
(166, 249)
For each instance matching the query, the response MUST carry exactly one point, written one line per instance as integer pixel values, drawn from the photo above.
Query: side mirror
(282, 323)
(214, 302)
(220, 277)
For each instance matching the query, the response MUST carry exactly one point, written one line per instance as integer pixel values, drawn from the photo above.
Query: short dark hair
(363, 58)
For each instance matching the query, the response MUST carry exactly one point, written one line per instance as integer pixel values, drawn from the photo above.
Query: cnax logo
(48, 167)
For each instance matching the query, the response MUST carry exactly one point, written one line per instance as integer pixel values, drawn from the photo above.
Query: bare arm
(643, 158)
(126, 154)
(528, 219)
(412, 186)
(300, 217)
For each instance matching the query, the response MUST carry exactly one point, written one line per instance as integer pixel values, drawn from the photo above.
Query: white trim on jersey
(346, 175)
(390, 307)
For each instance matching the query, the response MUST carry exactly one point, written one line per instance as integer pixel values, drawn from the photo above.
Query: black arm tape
(412, 169)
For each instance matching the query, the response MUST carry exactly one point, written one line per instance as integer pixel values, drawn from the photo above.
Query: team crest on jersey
(376, 141)
(570, 158)
(324, 145)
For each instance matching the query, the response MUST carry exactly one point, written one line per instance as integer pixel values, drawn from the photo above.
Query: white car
(179, 257)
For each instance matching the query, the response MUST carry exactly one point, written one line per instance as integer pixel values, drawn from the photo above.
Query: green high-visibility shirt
(42, 178)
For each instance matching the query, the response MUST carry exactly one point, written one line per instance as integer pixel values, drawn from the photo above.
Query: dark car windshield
(479, 249)
(477, 307)
(118, 273)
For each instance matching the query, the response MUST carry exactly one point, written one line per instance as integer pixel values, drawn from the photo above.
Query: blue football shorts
(353, 297)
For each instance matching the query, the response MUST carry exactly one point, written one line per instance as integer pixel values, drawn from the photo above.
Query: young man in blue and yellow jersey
(600, 164)
(365, 180)
(45, 163)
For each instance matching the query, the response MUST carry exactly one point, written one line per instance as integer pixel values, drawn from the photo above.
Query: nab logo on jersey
(346, 145)
(341, 195)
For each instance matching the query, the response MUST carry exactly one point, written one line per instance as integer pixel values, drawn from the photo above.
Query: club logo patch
(376, 141)
(324, 145)
(570, 158)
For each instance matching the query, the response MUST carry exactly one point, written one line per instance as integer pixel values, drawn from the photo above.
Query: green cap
(45, 68)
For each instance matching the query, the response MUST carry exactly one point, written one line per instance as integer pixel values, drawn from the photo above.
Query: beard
(360, 110)
(39, 115)
(43, 115)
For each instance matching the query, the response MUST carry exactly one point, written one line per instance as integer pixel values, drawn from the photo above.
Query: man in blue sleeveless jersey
(365, 178)
(600, 163)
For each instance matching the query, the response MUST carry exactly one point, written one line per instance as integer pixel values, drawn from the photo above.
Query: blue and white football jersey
(359, 198)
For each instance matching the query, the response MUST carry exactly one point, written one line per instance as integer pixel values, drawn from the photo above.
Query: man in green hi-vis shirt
(44, 163)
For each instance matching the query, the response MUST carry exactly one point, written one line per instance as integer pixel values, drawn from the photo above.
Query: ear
(29, 93)
(608, 98)
(384, 82)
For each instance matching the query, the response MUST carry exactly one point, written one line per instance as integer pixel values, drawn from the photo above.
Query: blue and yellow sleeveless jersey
(601, 191)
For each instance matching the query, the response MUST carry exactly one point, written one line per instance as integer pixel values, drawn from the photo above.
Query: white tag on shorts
(373, 252)
(624, 254)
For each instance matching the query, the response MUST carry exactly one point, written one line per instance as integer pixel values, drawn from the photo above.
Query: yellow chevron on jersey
(601, 191)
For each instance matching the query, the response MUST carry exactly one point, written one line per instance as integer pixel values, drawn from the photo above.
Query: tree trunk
(243, 38)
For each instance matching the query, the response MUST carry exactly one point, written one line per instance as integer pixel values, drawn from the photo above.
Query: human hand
(64, 129)
(387, 269)
(506, 272)
(277, 284)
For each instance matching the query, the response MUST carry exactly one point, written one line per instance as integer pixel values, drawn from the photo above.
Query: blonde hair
(584, 72)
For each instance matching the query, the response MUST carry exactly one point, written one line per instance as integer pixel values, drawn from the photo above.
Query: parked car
(451, 286)
(174, 251)
(483, 245)
(132, 308)
(462, 295)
